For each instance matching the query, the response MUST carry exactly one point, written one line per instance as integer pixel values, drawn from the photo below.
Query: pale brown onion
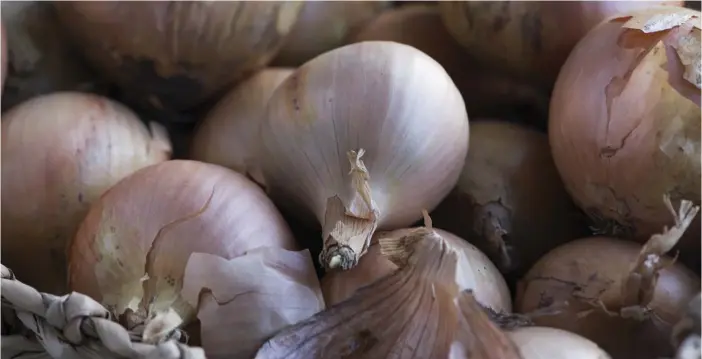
(40, 59)
(474, 271)
(509, 200)
(227, 136)
(176, 54)
(552, 343)
(347, 141)
(149, 224)
(624, 125)
(529, 38)
(323, 26)
(487, 93)
(60, 153)
(579, 280)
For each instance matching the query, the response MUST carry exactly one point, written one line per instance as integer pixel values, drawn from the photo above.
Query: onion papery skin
(40, 57)
(474, 271)
(530, 39)
(60, 153)
(552, 343)
(389, 99)
(323, 26)
(214, 211)
(509, 183)
(585, 270)
(173, 54)
(487, 93)
(228, 135)
(624, 129)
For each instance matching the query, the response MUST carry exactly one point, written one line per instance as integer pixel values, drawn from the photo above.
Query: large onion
(323, 26)
(40, 60)
(509, 200)
(60, 153)
(177, 54)
(474, 271)
(529, 38)
(552, 343)
(227, 136)
(487, 93)
(624, 125)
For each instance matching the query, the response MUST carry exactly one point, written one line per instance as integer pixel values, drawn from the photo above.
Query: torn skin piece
(348, 230)
(243, 301)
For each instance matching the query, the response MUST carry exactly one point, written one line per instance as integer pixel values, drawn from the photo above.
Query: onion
(551, 343)
(474, 271)
(486, 93)
(176, 54)
(227, 135)
(531, 39)
(40, 59)
(323, 26)
(509, 200)
(617, 170)
(363, 103)
(60, 153)
(620, 295)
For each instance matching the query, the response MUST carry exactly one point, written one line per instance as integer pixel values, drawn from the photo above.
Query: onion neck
(493, 222)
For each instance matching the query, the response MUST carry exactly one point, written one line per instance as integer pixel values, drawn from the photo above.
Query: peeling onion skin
(509, 182)
(487, 93)
(620, 142)
(323, 26)
(594, 267)
(552, 343)
(40, 58)
(227, 136)
(389, 99)
(475, 272)
(528, 38)
(175, 55)
(60, 153)
(108, 257)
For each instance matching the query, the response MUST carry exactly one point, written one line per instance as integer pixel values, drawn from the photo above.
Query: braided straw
(43, 326)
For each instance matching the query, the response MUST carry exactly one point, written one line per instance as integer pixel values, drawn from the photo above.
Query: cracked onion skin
(530, 39)
(591, 268)
(174, 54)
(204, 208)
(60, 153)
(509, 200)
(624, 129)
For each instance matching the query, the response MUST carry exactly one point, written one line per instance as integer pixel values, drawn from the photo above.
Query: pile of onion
(323, 26)
(175, 54)
(363, 137)
(228, 135)
(623, 296)
(40, 59)
(509, 200)
(186, 238)
(60, 153)
(531, 39)
(487, 93)
(624, 124)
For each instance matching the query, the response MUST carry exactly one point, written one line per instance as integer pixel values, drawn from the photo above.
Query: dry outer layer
(177, 54)
(622, 111)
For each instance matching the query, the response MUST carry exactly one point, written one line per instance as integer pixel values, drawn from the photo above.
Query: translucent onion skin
(585, 270)
(392, 101)
(323, 26)
(195, 206)
(60, 153)
(175, 54)
(475, 271)
(531, 39)
(227, 136)
(552, 343)
(624, 129)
